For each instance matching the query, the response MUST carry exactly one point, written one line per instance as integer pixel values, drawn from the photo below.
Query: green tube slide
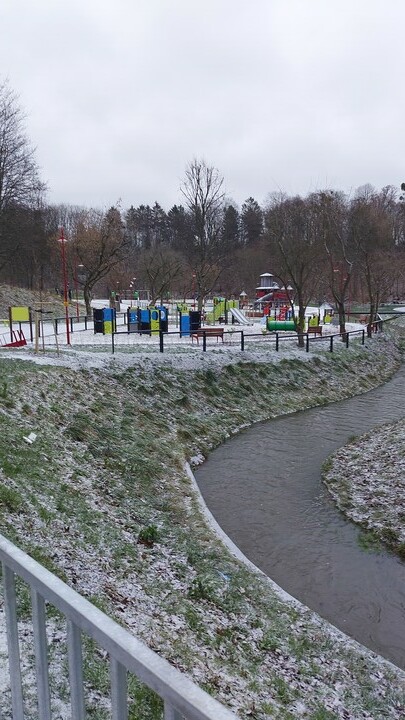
(275, 325)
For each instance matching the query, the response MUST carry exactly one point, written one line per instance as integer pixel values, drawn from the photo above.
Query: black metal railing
(243, 339)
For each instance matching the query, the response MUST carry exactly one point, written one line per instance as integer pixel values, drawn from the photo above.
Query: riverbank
(367, 481)
(107, 470)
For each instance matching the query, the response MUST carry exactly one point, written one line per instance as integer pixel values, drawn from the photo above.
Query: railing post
(363, 337)
(119, 702)
(242, 340)
(170, 713)
(56, 326)
(161, 340)
(331, 344)
(307, 343)
(85, 322)
(204, 341)
(347, 339)
(41, 655)
(75, 671)
(13, 645)
(71, 324)
(112, 343)
(276, 341)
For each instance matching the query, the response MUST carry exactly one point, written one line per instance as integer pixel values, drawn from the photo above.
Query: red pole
(62, 241)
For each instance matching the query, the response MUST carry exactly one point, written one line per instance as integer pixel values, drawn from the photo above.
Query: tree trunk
(87, 294)
(301, 326)
(342, 320)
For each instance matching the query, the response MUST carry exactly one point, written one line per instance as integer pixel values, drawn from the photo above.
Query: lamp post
(76, 282)
(62, 241)
(193, 289)
(131, 289)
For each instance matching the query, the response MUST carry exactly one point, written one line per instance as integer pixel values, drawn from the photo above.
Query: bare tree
(204, 196)
(159, 267)
(20, 186)
(340, 253)
(294, 233)
(98, 242)
(372, 236)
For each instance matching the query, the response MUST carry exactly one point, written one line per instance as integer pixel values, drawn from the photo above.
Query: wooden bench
(209, 332)
(314, 330)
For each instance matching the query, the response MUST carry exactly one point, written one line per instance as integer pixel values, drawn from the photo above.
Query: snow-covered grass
(107, 468)
(367, 480)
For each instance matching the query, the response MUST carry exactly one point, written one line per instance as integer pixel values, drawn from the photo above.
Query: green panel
(219, 310)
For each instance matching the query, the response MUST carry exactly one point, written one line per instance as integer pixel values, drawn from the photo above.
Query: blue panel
(163, 312)
(184, 325)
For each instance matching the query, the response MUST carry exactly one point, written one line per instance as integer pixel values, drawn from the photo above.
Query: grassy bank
(366, 479)
(102, 499)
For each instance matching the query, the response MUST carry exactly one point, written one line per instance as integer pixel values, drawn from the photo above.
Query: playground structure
(280, 325)
(105, 320)
(239, 317)
(220, 310)
(34, 317)
(270, 296)
(148, 321)
(17, 339)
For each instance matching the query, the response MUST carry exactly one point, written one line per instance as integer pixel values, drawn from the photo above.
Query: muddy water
(264, 488)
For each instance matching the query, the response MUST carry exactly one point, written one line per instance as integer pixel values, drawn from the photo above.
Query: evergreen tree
(251, 222)
(231, 228)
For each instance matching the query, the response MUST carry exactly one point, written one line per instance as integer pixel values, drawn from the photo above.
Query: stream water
(264, 488)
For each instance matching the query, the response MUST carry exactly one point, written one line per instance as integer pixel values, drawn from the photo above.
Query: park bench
(208, 332)
(314, 330)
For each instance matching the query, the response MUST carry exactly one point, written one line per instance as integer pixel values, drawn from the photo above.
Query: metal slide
(239, 316)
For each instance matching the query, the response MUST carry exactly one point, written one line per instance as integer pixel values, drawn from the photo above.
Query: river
(264, 488)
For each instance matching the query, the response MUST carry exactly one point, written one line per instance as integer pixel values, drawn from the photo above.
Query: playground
(223, 325)
(150, 328)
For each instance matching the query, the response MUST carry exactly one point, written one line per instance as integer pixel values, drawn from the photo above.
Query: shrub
(148, 536)
(10, 500)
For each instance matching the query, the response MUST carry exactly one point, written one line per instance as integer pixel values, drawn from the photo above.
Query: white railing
(181, 697)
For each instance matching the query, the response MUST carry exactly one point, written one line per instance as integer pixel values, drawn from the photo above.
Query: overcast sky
(292, 95)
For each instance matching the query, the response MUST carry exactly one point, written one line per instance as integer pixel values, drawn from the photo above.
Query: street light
(76, 281)
(62, 241)
(193, 289)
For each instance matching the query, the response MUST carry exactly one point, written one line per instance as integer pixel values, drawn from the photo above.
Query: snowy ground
(372, 492)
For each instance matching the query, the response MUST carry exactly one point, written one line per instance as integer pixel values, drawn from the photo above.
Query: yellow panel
(154, 321)
(20, 314)
(107, 327)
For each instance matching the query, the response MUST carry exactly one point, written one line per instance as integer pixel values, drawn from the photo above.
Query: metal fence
(242, 338)
(181, 697)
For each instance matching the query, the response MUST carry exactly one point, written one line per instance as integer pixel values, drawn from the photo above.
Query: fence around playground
(242, 340)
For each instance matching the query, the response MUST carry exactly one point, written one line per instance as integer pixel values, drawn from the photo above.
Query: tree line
(324, 246)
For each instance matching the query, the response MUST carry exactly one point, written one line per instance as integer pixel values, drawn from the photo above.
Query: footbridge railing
(181, 697)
